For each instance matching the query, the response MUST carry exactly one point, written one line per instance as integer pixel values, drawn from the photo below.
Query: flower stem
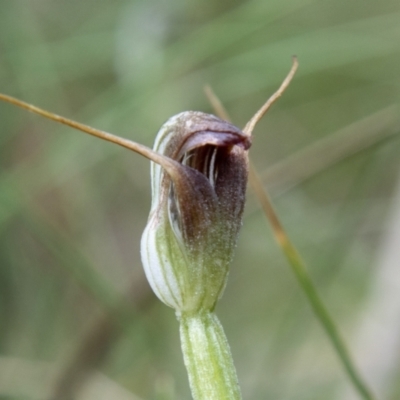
(208, 359)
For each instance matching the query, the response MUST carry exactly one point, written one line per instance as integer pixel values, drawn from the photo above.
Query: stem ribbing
(208, 359)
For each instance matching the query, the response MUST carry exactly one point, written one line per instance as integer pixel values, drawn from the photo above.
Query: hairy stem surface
(208, 359)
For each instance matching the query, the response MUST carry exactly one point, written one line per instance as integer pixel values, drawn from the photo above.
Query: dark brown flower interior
(203, 159)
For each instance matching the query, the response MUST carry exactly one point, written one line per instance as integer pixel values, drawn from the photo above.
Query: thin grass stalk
(303, 278)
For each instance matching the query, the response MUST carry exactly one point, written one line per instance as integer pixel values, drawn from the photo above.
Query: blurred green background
(77, 318)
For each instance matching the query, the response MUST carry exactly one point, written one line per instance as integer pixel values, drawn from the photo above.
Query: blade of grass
(303, 278)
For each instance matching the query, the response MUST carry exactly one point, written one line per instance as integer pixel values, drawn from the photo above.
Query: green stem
(208, 359)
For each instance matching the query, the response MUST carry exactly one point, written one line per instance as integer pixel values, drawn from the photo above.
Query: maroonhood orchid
(196, 214)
